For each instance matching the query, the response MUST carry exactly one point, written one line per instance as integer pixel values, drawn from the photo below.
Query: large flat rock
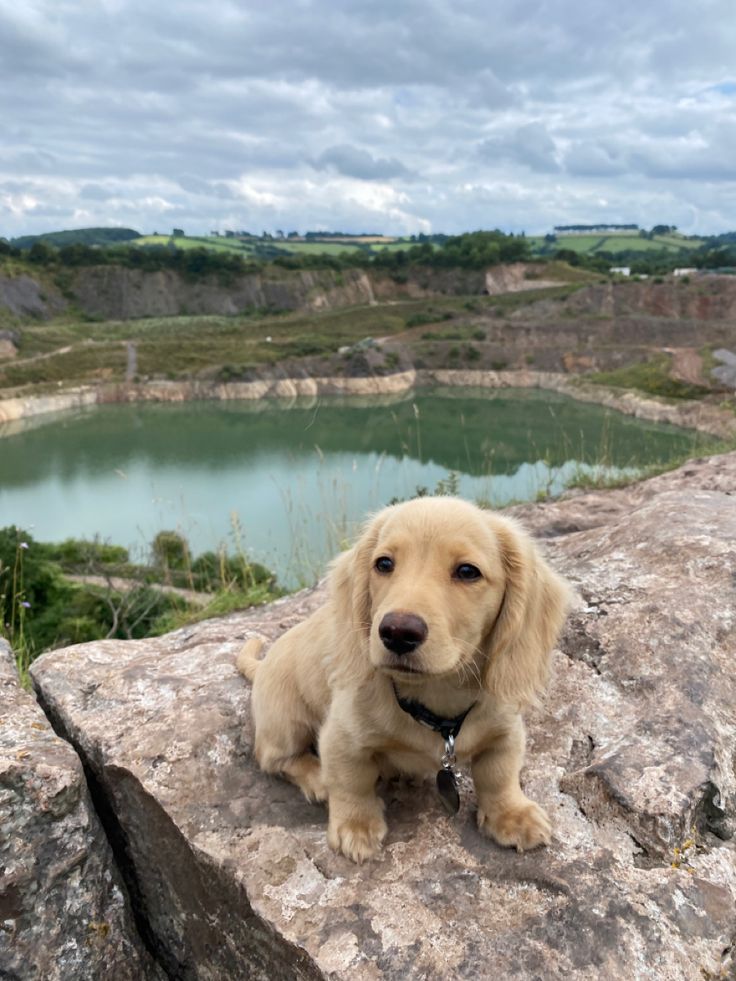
(632, 754)
(63, 912)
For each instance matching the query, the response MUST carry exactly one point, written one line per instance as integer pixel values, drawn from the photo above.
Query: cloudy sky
(366, 115)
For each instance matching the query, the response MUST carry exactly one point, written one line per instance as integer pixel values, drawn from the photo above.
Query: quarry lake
(292, 481)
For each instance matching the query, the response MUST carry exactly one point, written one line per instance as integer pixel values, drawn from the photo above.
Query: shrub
(170, 550)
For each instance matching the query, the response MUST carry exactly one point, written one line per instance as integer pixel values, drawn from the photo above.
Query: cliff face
(118, 293)
(113, 292)
(25, 297)
(710, 298)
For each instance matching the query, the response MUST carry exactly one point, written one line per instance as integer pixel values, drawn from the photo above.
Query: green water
(297, 479)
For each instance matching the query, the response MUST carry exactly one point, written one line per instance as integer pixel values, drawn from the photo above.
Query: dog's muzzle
(402, 633)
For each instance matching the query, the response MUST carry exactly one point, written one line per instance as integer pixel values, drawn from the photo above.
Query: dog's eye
(467, 572)
(384, 564)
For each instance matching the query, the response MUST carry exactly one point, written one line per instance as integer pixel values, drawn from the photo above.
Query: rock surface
(63, 914)
(632, 754)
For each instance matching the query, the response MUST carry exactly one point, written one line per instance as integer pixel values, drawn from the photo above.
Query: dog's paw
(313, 787)
(306, 772)
(522, 826)
(357, 838)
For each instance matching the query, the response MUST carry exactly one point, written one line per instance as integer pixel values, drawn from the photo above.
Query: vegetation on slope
(52, 595)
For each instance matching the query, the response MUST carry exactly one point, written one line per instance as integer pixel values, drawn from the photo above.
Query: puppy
(439, 604)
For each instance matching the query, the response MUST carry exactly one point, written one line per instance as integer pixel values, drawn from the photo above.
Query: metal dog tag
(446, 779)
(447, 789)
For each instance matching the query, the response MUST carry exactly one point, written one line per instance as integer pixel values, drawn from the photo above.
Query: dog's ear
(349, 581)
(534, 607)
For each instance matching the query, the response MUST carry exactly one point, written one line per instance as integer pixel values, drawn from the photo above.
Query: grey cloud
(593, 160)
(530, 145)
(95, 192)
(353, 162)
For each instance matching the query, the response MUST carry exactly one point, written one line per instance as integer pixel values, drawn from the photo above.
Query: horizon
(351, 234)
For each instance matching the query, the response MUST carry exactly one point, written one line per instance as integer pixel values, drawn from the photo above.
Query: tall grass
(14, 607)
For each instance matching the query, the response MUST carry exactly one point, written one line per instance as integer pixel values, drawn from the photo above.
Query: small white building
(684, 272)
(620, 270)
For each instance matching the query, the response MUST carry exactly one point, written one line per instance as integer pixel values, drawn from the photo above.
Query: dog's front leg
(356, 824)
(504, 811)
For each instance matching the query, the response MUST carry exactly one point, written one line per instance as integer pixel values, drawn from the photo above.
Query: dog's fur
(327, 682)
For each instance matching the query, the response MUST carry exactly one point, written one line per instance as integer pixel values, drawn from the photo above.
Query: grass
(247, 246)
(196, 242)
(315, 248)
(651, 377)
(197, 346)
(87, 362)
(590, 244)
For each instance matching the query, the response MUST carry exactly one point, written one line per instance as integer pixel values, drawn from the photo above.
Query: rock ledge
(632, 754)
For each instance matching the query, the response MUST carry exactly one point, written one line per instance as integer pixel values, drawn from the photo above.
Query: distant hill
(626, 240)
(78, 236)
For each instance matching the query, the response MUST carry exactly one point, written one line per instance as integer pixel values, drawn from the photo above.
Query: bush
(76, 554)
(212, 571)
(170, 550)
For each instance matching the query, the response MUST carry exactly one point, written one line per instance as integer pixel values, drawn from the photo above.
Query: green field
(594, 243)
(198, 242)
(313, 248)
(248, 246)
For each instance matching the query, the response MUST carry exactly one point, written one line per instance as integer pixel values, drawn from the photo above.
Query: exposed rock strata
(632, 754)
(702, 416)
(22, 296)
(63, 914)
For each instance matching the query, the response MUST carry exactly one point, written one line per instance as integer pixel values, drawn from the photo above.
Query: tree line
(471, 250)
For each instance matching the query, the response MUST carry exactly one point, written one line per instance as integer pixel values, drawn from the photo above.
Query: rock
(8, 344)
(725, 371)
(632, 754)
(580, 510)
(113, 292)
(63, 911)
(23, 296)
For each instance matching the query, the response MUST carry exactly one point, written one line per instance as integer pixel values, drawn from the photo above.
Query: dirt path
(125, 585)
(45, 355)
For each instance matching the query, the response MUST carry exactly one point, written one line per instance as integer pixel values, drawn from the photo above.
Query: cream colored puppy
(439, 604)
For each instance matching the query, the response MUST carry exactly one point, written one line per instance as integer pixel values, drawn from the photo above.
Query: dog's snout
(402, 633)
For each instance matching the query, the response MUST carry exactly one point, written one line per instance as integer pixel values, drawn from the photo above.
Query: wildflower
(24, 545)
(25, 604)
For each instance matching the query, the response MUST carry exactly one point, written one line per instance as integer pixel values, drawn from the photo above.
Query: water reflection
(299, 475)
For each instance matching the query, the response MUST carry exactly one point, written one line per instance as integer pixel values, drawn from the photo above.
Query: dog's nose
(401, 633)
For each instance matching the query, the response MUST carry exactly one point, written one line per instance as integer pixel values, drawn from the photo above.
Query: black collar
(426, 717)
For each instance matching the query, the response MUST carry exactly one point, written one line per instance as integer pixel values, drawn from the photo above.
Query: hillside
(110, 325)
(78, 236)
